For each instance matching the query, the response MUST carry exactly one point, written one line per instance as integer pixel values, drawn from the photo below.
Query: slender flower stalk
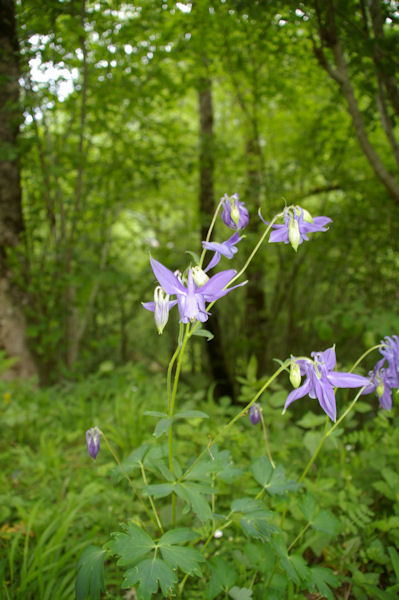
(266, 438)
(242, 412)
(211, 226)
(152, 515)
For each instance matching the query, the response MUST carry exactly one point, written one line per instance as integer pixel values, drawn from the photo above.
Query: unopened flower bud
(234, 212)
(199, 276)
(295, 374)
(161, 311)
(234, 215)
(294, 235)
(305, 213)
(93, 437)
(380, 388)
(254, 413)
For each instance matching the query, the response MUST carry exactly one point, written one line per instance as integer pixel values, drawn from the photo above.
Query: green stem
(131, 483)
(171, 407)
(211, 226)
(298, 537)
(170, 366)
(316, 453)
(266, 437)
(238, 416)
(154, 510)
(359, 360)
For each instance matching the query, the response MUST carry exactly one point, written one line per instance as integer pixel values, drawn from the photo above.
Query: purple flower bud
(93, 437)
(254, 413)
(234, 214)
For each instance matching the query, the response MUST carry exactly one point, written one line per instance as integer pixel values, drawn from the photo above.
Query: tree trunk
(257, 321)
(217, 358)
(12, 322)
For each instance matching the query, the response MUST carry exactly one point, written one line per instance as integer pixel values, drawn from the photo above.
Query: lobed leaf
(151, 574)
(90, 579)
(132, 545)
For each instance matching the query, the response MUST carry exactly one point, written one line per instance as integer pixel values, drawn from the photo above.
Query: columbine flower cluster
(197, 288)
(321, 380)
(298, 223)
(385, 375)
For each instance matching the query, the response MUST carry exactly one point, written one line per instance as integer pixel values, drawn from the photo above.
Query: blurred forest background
(122, 124)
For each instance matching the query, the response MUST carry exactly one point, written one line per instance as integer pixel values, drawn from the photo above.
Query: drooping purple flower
(321, 380)
(390, 351)
(254, 413)
(298, 223)
(235, 214)
(381, 382)
(160, 307)
(227, 249)
(191, 299)
(385, 375)
(93, 437)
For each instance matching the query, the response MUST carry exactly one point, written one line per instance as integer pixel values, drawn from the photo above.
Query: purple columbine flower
(235, 215)
(93, 437)
(191, 299)
(227, 249)
(297, 224)
(390, 351)
(385, 375)
(160, 307)
(321, 380)
(254, 413)
(381, 383)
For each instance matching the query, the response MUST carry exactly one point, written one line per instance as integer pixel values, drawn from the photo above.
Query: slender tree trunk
(12, 322)
(338, 70)
(257, 321)
(217, 358)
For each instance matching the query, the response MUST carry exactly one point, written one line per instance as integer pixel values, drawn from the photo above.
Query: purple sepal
(93, 437)
(254, 413)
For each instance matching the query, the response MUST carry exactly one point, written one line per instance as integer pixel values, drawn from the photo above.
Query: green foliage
(272, 480)
(90, 578)
(149, 573)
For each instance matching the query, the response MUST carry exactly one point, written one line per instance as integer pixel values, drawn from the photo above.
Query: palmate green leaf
(177, 536)
(159, 490)
(220, 465)
(90, 578)
(272, 480)
(240, 593)
(192, 494)
(223, 578)
(322, 578)
(255, 519)
(132, 545)
(151, 574)
(326, 522)
(187, 559)
(307, 505)
(323, 520)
